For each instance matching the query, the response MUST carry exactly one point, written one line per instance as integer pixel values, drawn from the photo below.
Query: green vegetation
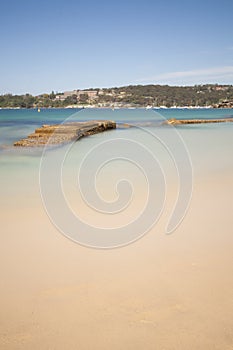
(158, 95)
(25, 101)
(138, 96)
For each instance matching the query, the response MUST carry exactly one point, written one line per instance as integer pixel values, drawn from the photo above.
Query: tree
(83, 98)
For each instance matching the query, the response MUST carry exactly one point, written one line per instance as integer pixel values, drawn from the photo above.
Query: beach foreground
(162, 292)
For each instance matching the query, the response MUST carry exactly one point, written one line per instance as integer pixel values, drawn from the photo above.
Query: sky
(65, 45)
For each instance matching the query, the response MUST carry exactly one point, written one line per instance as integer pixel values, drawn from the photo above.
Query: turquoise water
(154, 159)
(15, 124)
(209, 145)
(212, 140)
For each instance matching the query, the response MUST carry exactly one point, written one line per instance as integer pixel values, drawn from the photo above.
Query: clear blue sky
(66, 45)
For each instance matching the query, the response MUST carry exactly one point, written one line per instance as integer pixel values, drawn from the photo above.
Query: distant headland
(147, 96)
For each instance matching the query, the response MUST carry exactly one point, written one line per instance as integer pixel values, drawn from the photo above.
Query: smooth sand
(162, 292)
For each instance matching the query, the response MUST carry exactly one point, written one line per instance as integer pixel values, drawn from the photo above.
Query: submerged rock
(174, 121)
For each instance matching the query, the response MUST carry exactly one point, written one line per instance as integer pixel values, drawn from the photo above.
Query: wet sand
(162, 292)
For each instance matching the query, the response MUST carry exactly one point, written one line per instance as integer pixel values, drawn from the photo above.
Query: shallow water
(153, 159)
(208, 145)
(161, 292)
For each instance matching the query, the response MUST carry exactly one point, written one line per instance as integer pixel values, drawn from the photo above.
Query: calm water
(16, 124)
(51, 288)
(210, 146)
(126, 172)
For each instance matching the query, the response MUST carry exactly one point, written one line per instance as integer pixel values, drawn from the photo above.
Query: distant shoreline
(132, 96)
(116, 108)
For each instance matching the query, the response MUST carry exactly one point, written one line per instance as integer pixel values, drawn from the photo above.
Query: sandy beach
(162, 292)
(116, 175)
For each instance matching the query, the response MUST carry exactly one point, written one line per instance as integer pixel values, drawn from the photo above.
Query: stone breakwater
(63, 133)
(174, 121)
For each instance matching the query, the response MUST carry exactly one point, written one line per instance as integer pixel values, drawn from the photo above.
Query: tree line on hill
(134, 95)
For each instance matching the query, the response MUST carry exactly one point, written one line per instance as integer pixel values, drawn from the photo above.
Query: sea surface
(209, 145)
(146, 155)
(162, 291)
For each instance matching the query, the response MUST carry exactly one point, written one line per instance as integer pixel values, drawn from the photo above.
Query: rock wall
(62, 133)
